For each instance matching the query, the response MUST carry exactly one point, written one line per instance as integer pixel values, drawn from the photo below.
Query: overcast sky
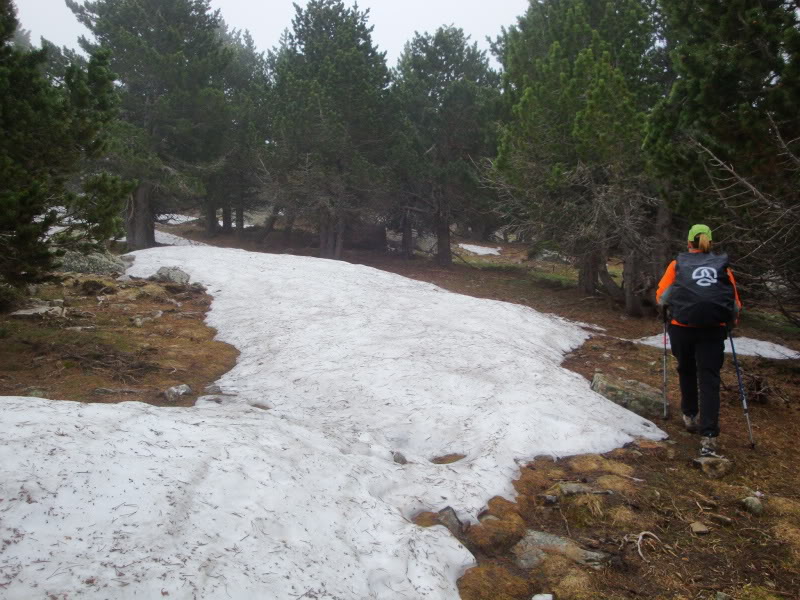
(394, 20)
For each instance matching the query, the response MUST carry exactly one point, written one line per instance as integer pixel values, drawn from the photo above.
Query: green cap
(697, 230)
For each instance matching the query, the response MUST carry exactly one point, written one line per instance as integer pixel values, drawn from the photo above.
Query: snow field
(228, 500)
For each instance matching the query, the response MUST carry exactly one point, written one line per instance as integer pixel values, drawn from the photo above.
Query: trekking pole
(741, 390)
(664, 368)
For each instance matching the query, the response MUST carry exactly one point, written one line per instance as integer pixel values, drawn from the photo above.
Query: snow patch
(304, 498)
(744, 346)
(481, 250)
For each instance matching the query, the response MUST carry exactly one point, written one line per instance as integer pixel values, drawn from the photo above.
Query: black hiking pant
(700, 352)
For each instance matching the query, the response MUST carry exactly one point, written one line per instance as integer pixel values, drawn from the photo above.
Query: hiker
(700, 293)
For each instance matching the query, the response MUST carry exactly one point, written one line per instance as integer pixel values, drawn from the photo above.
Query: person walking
(699, 291)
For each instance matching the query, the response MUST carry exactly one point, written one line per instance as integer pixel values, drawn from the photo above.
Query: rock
(572, 489)
(637, 397)
(448, 517)
(213, 389)
(720, 519)
(549, 499)
(543, 597)
(96, 263)
(698, 528)
(172, 275)
(533, 548)
(174, 393)
(137, 322)
(722, 596)
(713, 467)
(35, 392)
(127, 259)
(399, 458)
(752, 505)
(40, 312)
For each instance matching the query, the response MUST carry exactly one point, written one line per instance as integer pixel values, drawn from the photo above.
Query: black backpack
(702, 294)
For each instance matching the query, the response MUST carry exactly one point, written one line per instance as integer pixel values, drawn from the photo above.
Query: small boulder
(448, 517)
(699, 528)
(572, 489)
(172, 275)
(399, 458)
(636, 396)
(40, 312)
(97, 263)
(213, 389)
(752, 505)
(713, 467)
(533, 548)
(543, 597)
(176, 392)
(720, 519)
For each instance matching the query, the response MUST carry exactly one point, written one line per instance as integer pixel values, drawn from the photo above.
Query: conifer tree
(49, 129)
(726, 138)
(170, 60)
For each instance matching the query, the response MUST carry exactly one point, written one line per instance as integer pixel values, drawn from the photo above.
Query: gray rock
(720, 519)
(449, 518)
(399, 458)
(174, 393)
(95, 262)
(699, 528)
(172, 275)
(636, 396)
(533, 548)
(112, 391)
(713, 467)
(213, 389)
(543, 597)
(722, 596)
(549, 499)
(573, 489)
(39, 312)
(127, 259)
(752, 505)
(35, 392)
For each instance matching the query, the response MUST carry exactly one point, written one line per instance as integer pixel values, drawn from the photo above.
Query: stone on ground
(636, 396)
(714, 467)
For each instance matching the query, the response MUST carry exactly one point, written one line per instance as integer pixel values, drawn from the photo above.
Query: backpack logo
(705, 276)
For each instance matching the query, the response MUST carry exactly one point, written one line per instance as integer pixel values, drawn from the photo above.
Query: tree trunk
(324, 232)
(288, 230)
(269, 223)
(630, 281)
(610, 286)
(211, 217)
(444, 256)
(339, 245)
(588, 272)
(239, 220)
(139, 227)
(227, 221)
(408, 237)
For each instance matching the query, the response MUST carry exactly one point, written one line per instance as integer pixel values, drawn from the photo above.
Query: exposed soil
(655, 487)
(99, 354)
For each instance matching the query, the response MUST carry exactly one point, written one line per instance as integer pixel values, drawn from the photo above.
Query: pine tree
(170, 60)
(580, 77)
(49, 130)
(329, 116)
(725, 139)
(448, 95)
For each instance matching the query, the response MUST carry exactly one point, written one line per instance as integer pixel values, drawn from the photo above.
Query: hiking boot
(708, 447)
(692, 423)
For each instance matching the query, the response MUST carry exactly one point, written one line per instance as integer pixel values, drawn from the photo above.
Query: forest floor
(656, 487)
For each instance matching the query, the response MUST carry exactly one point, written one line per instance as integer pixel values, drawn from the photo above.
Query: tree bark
(288, 230)
(339, 244)
(212, 225)
(588, 272)
(139, 224)
(444, 256)
(610, 286)
(324, 232)
(227, 221)
(269, 223)
(408, 237)
(239, 220)
(630, 280)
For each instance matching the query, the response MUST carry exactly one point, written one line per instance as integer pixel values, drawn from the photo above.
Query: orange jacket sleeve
(667, 280)
(735, 290)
